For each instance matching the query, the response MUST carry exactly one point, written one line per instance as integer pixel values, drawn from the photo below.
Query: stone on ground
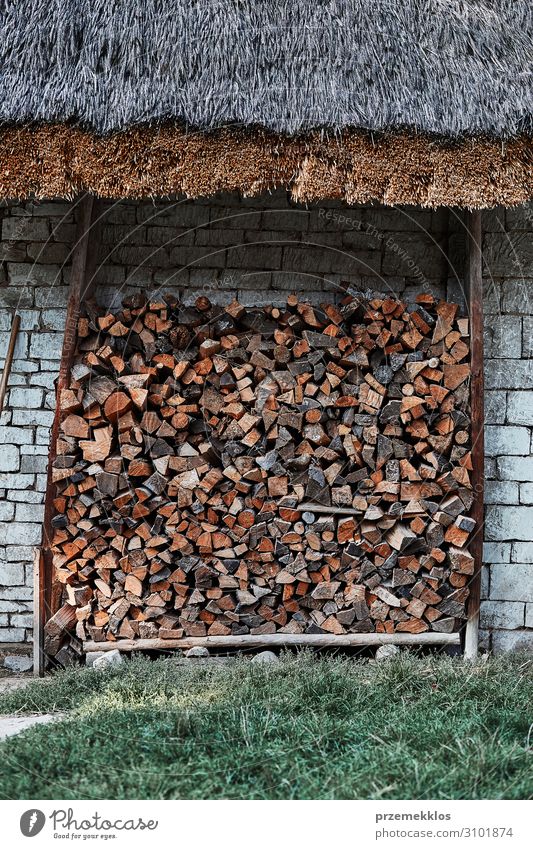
(265, 657)
(386, 652)
(92, 656)
(18, 662)
(197, 651)
(109, 658)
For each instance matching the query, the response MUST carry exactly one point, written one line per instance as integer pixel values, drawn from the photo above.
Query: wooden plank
(48, 597)
(474, 287)
(249, 641)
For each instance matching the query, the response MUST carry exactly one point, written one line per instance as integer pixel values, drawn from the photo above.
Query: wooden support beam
(48, 599)
(249, 641)
(9, 359)
(474, 292)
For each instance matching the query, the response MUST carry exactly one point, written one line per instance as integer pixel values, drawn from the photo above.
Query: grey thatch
(449, 67)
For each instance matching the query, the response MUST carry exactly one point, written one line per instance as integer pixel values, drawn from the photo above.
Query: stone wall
(507, 608)
(258, 251)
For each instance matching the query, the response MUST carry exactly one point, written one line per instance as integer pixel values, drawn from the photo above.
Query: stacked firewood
(230, 471)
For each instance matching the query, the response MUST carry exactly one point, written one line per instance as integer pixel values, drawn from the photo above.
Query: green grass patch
(307, 728)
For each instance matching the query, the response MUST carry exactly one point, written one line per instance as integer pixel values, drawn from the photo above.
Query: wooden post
(9, 359)
(48, 599)
(474, 291)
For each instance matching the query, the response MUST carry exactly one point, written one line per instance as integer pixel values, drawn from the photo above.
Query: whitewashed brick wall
(258, 251)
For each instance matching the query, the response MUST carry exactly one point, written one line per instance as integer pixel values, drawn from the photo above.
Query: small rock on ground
(197, 651)
(108, 658)
(92, 656)
(387, 651)
(11, 725)
(10, 683)
(18, 662)
(265, 657)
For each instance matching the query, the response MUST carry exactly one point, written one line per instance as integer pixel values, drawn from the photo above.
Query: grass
(322, 728)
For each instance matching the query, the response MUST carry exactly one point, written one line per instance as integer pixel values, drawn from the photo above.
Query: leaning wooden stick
(9, 360)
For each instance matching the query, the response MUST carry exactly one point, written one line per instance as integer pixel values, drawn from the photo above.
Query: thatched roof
(437, 66)
(375, 75)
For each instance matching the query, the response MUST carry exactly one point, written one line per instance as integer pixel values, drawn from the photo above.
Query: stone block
(501, 492)
(204, 257)
(34, 463)
(11, 574)
(11, 635)
(509, 374)
(526, 495)
(515, 468)
(261, 257)
(485, 582)
(522, 552)
(412, 255)
(53, 319)
(503, 337)
(507, 440)
(19, 534)
(25, 367)
(496, 552)
(19, 552)
(29, 513)
(9, 458)
(16, 480)
(51, 297)
(29, 398)
(490, 468)
(519, 641)
(21, 345)
(28, 273)
(17, 594)
(49, 252)
(110, 275)
(511, 582)
(16, 298)
(46, 346)
(529, 615)
(502, 614)
(527, 336)
(33, 417)
(495, 406)
(293, 281)
(42, 435)
(27, 496)
(45, 379)
(21, 620)
(520, 408)
(507, 523)
(7, 511)
(40, 483)
(516, 295)
(29, 319)
(491, 299)
(28, 229)
(508, 253)
(518, 217)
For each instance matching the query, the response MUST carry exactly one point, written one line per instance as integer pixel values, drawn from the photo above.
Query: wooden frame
(474, 294)
(47, 598)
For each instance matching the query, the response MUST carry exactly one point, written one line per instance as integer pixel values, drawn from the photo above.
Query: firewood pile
(231, 471)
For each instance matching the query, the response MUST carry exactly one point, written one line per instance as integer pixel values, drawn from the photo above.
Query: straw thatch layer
(445, 67)
(59, 161)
